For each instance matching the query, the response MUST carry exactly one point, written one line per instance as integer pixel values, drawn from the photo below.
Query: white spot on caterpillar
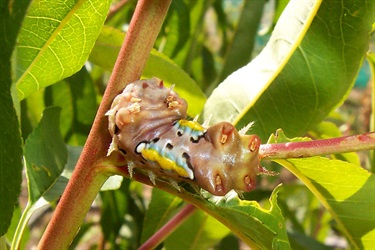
(141, 146)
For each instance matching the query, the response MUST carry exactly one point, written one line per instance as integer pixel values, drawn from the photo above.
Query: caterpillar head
(232, 161)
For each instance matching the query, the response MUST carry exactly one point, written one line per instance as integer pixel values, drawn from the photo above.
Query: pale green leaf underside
(240, 90)
(55, 41)
(158, 65)
(305, 71)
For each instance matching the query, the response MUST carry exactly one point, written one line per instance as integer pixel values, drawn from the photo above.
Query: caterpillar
(148, 125)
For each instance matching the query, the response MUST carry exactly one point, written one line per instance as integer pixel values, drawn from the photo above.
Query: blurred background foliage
(208, 40)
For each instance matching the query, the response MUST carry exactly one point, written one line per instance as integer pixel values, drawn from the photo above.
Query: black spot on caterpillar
(147, 121)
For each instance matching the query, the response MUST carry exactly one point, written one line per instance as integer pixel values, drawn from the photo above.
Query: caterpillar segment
(148, 125)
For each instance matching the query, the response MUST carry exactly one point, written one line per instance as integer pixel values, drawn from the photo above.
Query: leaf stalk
(318, 147)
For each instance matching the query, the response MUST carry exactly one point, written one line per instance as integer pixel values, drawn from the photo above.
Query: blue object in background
(363, 76)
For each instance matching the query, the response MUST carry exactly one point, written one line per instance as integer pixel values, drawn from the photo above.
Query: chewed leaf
(55, 44)
(298, 78)
(257, 226)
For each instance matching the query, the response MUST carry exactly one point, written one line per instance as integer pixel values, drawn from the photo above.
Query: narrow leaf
(11, 16)
(45, 154)
(45, 157)
(239, 51)
(55, 44)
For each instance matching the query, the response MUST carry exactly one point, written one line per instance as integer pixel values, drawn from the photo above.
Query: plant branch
(87, 179)
(168, 228)
(318, 147)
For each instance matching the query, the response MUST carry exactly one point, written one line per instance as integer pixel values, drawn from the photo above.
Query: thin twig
(168, 228)
(318, 147)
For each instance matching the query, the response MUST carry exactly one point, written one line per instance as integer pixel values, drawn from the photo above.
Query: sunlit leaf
(346, 190)
(305, 71)
(55, 41)
(257, 226)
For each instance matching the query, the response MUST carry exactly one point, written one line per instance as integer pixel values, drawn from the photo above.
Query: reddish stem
(168, 228)
(89, 174)
(318, 147)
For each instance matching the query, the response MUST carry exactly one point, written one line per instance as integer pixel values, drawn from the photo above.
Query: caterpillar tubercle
(148, 125)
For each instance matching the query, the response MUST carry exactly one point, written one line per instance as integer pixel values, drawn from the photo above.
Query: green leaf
(77, 98)
(258, 227)
(346, 190)
(158, 65)
(305, 70)
(199, 231)
(11, 17)
(45, 157)
(162, 207)
(55, 44)
(371, 60)
(115, 206)
(183, 52)
(326, 130)
(178, 23)
(239, 51)
(12, 229)
(307, 220)
(45, 154)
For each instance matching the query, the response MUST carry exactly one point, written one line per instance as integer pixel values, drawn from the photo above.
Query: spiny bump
(130, 168)
(206, 123)
(244, 130)
(175, 185)
(152, 177)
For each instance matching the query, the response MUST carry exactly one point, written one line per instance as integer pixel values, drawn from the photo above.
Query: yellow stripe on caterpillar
(166, 163)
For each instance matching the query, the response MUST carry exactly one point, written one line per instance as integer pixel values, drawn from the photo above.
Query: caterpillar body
(148, 125)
